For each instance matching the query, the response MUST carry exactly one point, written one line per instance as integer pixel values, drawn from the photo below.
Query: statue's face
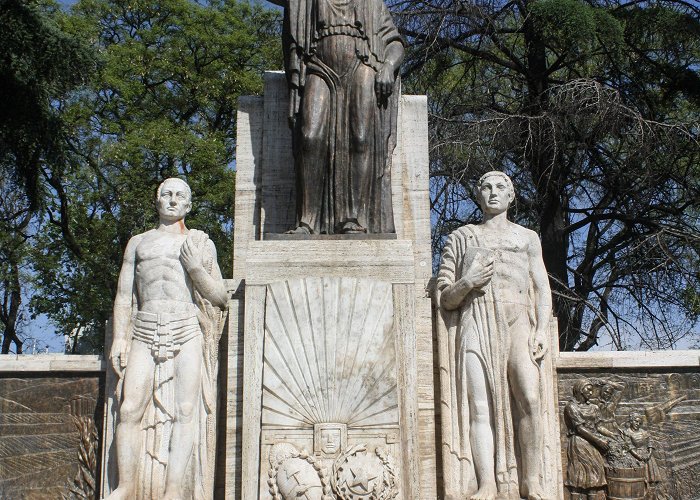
(588, 391)
(606, 393)
(330, 441)
(635, 422)
(173, 200)
(494, 195)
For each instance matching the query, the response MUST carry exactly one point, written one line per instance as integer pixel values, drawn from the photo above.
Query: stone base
(330, 340)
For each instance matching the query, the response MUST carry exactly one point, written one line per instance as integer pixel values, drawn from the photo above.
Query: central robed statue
(341, 59)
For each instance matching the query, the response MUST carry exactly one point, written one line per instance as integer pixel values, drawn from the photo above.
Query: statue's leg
(363, 105)
(481, 433)
(524, 378)
(138, 389)
(188, 393)
(312, 164)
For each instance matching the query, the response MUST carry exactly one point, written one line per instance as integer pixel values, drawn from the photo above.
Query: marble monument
(495, 303)
(168, 318)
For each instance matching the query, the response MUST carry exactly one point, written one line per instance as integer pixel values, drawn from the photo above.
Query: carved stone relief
(49, 436)
(630, 436)
(329, 385)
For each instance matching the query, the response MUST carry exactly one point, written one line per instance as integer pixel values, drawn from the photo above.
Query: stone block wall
(50, 424)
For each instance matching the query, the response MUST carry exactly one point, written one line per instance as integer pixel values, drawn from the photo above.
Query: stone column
(332, 335)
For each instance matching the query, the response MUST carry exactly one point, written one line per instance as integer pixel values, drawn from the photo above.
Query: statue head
(635, 420)
(281, 452)
(583, 390)
(494, 192)
(173, 199)
(606, 391)
(329, 439)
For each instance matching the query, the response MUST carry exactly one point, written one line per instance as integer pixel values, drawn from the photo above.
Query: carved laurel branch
(83, 486)
(390, 487)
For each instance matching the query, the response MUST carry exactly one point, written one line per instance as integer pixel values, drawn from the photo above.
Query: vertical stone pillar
(335, 332)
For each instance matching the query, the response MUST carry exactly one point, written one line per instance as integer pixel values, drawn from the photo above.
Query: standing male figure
(495, 299)
(342, 59)
(167, 324)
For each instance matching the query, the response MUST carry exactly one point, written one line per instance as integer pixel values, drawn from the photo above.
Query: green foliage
(39, 63)
(162, 104)
(592, 108)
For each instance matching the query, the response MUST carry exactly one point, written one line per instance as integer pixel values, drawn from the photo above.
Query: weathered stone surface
(11, 363)
(329, 372)
(41, 419)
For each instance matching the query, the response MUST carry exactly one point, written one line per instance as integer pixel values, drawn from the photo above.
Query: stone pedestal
(330, 340)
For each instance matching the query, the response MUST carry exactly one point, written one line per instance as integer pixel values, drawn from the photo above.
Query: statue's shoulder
(138, 238)
(463, 232)
(526, 233)
(200, 238)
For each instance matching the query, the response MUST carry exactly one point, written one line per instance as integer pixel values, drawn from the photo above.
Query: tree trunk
(548, 174)
(11, 312)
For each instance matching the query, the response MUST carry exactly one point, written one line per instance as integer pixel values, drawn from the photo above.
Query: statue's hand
(118, 355)
(538, 345)
(479, 272)
(384, 83)
(191, 254)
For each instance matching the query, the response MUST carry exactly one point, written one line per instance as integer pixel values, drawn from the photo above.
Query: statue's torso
(337, 35)
(162, 284)
(511, 277)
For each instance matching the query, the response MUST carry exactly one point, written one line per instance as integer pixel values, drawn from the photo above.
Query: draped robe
(369, 23)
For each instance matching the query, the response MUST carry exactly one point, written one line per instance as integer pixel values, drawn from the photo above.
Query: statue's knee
(312, 139)
(530, 403)
(130, 412)
(185, 412)
(360, 138)
(480, 413)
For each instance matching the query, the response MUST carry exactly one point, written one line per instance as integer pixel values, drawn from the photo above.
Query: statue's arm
(578, 424)
(453, 290)
(123, 303)
(542, 295)
(617, 395)
(394, 56)
(210, 286)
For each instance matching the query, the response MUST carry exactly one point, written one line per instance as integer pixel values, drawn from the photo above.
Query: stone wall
(50, 424)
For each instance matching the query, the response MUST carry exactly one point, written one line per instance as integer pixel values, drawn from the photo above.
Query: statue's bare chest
(507, 245)
(159, 249)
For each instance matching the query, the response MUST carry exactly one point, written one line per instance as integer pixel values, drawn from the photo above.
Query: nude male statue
(341, 60)
(171, 280)
(495, 297)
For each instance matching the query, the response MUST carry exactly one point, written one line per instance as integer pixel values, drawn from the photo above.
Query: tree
(163, 104)
(592, 107)
(15, 217)
(39, 64)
